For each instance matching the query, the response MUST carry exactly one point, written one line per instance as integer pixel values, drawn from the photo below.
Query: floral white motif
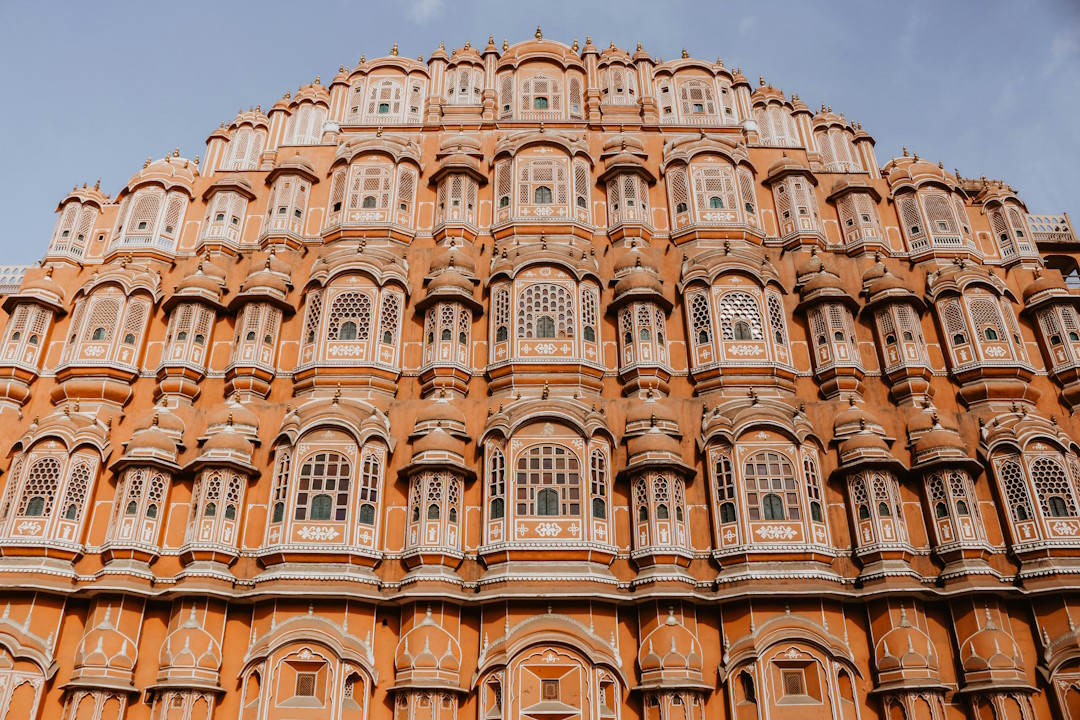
(348, 350)
(775, 532)
(366, 216)
(317, 533)
(729, 536)
(995, 351)
(545, 348)
(719, 216)
(575, 529)
(548, 529)
(743, 350)
(94, 351)
(29, 526)
(543, 211)
(1064, 528)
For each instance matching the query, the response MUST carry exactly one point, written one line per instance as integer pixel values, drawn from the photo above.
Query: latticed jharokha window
(464, 87)
(323, 487)
(740, 317)
(1052, 487)
(497, 484)
(542, 182)
(350, 317)
(771, 488)
(305, 125)
(545, 310)
(548, 482)
(39, 490)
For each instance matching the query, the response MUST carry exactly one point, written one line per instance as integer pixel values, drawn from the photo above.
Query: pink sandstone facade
(546, 382)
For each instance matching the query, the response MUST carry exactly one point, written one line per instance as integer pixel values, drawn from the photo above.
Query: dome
(451, 280)
(905, 648)
(639, 281)
(990, 649)
(670, 648)
(44, 285)
(236, 414)
(170, 172)
(812, 266)
(644, 415)
(294, 165)
(428, 652)
(440, 410)
(452, 258)
(105, 647)
(864, 442)
(852, 420)
(651, 442)
(1044, 283)
(885, 283)
(189, 647)
(823, 283)
(634, 258)
(914, 171)
(938, 439)
(440, 441)
(228, 441)
(151, 442)
(540, 49)
(265, 280)
(255, 117)
(788, 165)
(765, 93)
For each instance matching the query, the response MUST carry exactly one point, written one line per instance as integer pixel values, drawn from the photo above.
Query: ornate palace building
(542, 381)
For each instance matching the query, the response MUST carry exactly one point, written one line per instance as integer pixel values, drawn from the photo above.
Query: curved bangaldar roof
(540, 49)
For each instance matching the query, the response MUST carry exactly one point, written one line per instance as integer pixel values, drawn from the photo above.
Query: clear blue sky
(93, 88)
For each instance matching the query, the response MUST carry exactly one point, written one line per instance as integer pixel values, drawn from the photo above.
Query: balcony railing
(11, 277)
(142, 241)
(1052, 231)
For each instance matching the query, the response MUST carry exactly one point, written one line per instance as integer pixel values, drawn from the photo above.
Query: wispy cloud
(747, 24)
(423, 10)
(1063, 50)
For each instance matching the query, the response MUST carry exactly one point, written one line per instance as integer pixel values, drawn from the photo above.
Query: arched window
(598, 484)
(768, 473)
(350, 317)
(348, 330)
(323, 492)
(39, 490)
(497, 484)
(99, 334)
(554, 472)
(542, 196)
(370, 477)
(545, 327)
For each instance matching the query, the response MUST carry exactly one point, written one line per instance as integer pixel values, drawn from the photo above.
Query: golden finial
(539, 34)
(905, 152)
(442, 45)
(363, 58)
(147, 163)
(612, 46)
(378, 132)
(176, 152)
(574, 46)
(822, 107)
(196, 159)
(393, 51)
(318, 79)
(341, 68)
(97, 185)
(915, 155)
(420, 58)
(506, 44)
(830, 108)
(940, 166)
(761, 80)
(685, 54)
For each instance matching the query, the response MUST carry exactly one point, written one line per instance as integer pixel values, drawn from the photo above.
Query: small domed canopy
(733, 417)
(572, 143)
(170, 173)
(450, 285)
(235, 414)
(881, 287)
(460, 153)
(632, 259)
(42, 290)
(856, 418)
(823, 287)
(314, 92)
(381, 263)
(640, 284)
(452, 258)
(131, 277)
(226, 447)
(253, 117)
(866, 449)
(745, 259)
(788, 165)
(913, 173)
(294, 165)
(190, 657)
(644, 416)
(202, 286)
(906, 648)
(1047, 288)
(765, 94)
(428, 657)
(398, 148)
(848, 184)
(827, 118)
(72, 428)
(438, 448)
(685, 148)
(567, 252)
(152, 446)
(105, 657)
(991, 655)
(655, 449)
(670, 656)
(625, 153)
(359, 418)
(230, 183)
(956, 278)
(540, 49)
(442, 412)
(269, 281)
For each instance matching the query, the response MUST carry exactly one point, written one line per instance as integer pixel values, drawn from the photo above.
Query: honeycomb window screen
(777, 321)
(794, 682)
(350, 307)
(912, 221)
(406, 193)
(543, 182)
(39, 488)
(305, 684)
(548, 482)
(337, 194)
(590, 309)
(545, 310)
(700, 318)
(771, 487)
(501, 314)
(506, 96)
(77, 491)
(747, 195)
(740, 317)
(575, 98)
(312, 317)
(1052, 488)
(1015, 489)
(389, 317)
(986, 317)
(541, 93)
(952, 320)
(581, 187)
(102, 320)
(322, 487)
